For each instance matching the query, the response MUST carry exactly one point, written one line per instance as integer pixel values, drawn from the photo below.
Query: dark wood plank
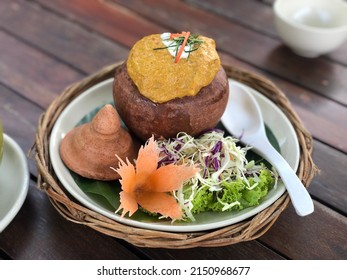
(321, 235)
(257, 16)
(40, 79)
(20, 127)
(251, 13)
(4, 256)
(113, 22)
(270, 2)
(330, 185)
(76, 46)
(320, 75)
(242, 251)
(39, 232)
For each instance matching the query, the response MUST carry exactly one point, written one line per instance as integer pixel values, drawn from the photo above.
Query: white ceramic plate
(101, 94)
(14, 181)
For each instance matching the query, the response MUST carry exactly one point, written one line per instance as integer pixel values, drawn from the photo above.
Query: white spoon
(243, 119)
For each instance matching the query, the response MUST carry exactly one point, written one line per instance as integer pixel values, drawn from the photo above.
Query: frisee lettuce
(235, 195)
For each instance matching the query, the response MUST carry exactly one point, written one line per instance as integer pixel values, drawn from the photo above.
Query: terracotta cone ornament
(89, 149)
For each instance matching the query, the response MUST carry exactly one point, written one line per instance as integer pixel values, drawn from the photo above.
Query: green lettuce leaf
(234, 195)
(109, 190)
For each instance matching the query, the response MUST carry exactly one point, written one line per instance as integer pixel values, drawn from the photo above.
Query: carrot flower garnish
(149, 186)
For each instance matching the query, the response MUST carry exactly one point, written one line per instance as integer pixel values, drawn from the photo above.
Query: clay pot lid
(89, 149)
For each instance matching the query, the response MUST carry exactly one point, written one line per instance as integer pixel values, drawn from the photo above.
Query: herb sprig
(179, 41)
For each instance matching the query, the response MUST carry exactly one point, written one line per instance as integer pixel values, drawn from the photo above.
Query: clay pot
(89, 149)
(190, 114)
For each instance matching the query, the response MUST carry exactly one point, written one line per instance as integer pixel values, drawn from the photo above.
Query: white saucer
(14, 181)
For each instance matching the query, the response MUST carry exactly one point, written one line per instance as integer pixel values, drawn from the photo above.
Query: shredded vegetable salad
(226, 181)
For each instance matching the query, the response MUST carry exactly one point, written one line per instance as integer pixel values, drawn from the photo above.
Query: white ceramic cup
(311, 27)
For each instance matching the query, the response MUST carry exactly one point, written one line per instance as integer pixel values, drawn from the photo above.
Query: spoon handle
(299, 195)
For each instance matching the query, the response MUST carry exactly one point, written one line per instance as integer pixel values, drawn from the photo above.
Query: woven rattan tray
(246, 230)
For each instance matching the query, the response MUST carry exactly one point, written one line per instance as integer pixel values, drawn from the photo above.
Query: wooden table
(47, 45)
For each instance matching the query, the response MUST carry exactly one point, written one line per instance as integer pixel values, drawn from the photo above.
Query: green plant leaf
(109, 190)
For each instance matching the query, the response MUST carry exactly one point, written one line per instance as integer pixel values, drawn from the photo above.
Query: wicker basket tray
(243, 231)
